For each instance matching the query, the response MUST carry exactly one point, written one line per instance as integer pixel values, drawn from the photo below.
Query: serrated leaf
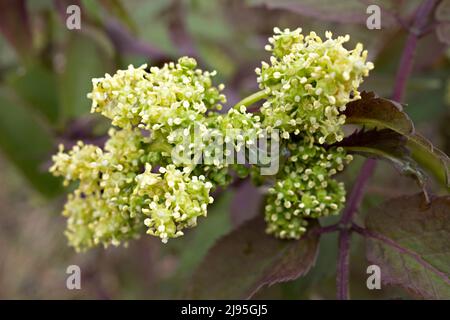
(247, 259)
(384, 144)
(430, 158)
(410, 241)
(376, 112)
(26, 143)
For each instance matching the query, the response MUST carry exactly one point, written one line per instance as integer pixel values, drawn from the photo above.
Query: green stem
(251, 99)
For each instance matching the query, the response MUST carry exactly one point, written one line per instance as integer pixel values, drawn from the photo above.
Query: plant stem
(407, 59)
(251, 99)
(353, 203)
(357, 193)
(328, 229)
(343, 271)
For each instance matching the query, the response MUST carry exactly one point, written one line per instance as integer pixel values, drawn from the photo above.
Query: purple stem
(354, 201)
(328, 229)
(357, 193)
(343, 269)
(407, 59)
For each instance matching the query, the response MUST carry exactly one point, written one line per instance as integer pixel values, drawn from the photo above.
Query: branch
(251, 99)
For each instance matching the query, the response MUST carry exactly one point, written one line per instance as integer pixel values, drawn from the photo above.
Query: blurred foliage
(46, 72)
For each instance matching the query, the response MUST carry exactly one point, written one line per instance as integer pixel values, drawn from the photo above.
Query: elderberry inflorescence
(135, 182)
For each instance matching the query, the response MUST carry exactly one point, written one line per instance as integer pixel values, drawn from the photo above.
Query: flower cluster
(98, 210)
(170, 146)
(309, 81)
(155, 113)
(175, 95)
(305, 189)
(171, 200)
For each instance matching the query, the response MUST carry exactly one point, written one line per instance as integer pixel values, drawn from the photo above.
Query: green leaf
(375, 112)
(247, 259)
(410, 241)
(36, 85)
(84, 61)
(384, 144)
(430, 158)
(26, 143)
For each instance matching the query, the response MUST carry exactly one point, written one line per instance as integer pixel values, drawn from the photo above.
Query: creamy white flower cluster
(171, 200)
(305, 189)
(118, 194)
(175, 95)
(99, 210)
(308, 82)
(137, 181)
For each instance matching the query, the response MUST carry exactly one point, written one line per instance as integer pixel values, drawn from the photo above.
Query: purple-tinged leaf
(15, 25)
(246, 203)
(374, 112)
(378, 112)
(410, 241)
(387, 145)
(247, 259)
(379, 142)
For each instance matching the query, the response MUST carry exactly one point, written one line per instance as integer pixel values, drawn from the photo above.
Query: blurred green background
(45, 74)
